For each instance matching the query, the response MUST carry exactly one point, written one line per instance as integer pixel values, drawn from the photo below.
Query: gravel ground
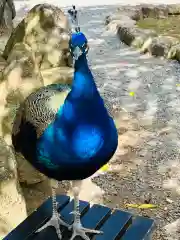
(146, 166)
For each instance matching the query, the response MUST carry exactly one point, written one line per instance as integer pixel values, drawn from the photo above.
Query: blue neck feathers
(81, 64)
(83, 84)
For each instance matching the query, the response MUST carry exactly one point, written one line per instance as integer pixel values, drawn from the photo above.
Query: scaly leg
(55, 221)
(78, 229)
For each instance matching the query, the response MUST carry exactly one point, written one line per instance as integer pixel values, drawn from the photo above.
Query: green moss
(169, 26)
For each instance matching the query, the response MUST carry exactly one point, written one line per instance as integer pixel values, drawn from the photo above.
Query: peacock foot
(55, 221)
(79, 230)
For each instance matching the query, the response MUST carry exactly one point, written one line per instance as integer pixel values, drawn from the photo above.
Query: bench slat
(92, 219)
(33, 221)
(140, 229)
(96, 216)
(50, 233)
(115, 226)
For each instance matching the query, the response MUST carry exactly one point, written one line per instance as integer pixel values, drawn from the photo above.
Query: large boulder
(124, 23)
(132, 12)
(7, 14)
(124, 15)
(159, 11)
(152, 11)
(174, 9)
(20, 78)
(45, 30)
(37, 54)
(11, 199)
(160, 46)
(134, 36)
(56, 75)
(120, 20)
(3, 64)
(174, 52)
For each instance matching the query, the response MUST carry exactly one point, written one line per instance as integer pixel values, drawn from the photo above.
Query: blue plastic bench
(115, 224)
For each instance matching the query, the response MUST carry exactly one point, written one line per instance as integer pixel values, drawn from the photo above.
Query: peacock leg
(55, 221)
(78, 229)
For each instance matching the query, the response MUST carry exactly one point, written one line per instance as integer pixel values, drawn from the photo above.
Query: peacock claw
(79, 230)
(55, 221)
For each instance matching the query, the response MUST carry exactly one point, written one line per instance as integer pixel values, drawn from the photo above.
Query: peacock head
(78, 45)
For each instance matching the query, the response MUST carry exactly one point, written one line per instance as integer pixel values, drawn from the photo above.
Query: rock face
(7, 14)
(160, 46)
(45, 30)
(37, 54)
(160, 11)
(11, 199)
(174, 52)
(135, 36)
(154, 12)
(3, 64)
(123, 22)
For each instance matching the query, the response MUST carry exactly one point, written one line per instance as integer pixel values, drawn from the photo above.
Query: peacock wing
(40, 108)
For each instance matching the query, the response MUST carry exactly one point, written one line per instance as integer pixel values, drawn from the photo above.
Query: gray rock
(7, 162)
(173, 9)
(123, 16)
(11, 199)
(134, 36)
(159, 11)
(7, 14)
(124, 24)
(133, 13)
(45, 30)
(161, 45)
(3, 63)
(174, 52)
(120, 20)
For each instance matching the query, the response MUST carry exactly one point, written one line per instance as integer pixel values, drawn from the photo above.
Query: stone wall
(123, 22)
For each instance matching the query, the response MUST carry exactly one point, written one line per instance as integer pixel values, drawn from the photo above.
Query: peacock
(67, 133)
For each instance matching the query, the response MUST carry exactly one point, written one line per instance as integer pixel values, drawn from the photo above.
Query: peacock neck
(83, 83)
(81, 64)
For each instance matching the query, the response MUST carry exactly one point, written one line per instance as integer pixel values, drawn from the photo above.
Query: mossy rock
(46, 31)
(151, 11)
(156, 29)
(174, 52)
(160, 46)
(11, 198)
(168, 26)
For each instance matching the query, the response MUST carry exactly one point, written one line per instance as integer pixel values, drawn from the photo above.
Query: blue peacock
(66, 132)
